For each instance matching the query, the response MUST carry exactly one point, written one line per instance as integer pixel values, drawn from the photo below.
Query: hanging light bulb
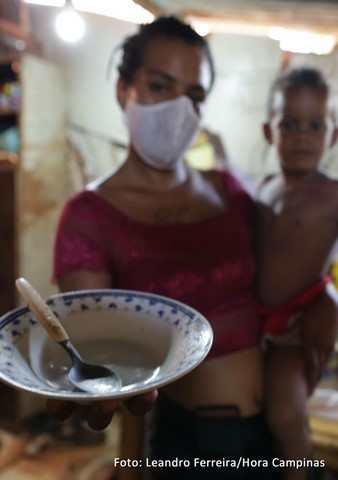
(69, 24)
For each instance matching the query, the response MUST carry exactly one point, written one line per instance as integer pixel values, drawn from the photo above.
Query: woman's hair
(295, 79)
(134, 48)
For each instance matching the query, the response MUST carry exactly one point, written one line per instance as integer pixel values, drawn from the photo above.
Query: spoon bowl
(87, 377)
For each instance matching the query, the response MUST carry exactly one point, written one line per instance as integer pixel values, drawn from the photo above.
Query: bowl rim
(85, 397)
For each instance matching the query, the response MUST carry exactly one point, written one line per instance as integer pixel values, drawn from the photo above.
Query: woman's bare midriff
(235, 379)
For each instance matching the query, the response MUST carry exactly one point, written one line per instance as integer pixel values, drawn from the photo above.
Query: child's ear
(121, 92)
(267, 132)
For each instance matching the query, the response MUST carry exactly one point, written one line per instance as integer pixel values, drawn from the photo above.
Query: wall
(245, 69)
(90, 93)
(42, 168)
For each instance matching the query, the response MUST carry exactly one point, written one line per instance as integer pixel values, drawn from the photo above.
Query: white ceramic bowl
(149, 340)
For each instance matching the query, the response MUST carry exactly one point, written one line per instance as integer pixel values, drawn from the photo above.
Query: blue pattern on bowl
(193, 338)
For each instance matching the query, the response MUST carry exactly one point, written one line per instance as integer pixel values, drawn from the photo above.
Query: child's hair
(168, 27)
(298, 78)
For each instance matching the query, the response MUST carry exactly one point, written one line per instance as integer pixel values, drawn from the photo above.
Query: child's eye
(316, 126)
(289, 125)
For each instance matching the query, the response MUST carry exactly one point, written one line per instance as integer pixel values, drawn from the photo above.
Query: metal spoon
(85, 376)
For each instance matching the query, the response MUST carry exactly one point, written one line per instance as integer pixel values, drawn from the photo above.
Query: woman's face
(171, 68)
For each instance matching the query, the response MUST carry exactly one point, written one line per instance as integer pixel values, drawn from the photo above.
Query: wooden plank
(13, 29)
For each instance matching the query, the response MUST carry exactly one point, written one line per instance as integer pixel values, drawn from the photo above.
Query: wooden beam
(316, 17)
(151, 7)
(24, 19)
(265, 21)
(14, 31)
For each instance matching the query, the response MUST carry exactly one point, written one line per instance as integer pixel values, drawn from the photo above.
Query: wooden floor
(45, 457)
(322, 410)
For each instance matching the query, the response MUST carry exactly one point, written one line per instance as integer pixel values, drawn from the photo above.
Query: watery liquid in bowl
(132, 362)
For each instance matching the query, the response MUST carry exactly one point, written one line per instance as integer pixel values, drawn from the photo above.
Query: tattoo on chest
(179, 214)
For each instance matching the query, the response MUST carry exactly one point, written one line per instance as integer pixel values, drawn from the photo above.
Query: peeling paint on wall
(42, 181)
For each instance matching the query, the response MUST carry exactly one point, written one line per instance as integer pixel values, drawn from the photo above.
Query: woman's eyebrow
(162, 74)
(166, 76)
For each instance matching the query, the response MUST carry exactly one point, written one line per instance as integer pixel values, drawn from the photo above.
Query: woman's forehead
(180, 60)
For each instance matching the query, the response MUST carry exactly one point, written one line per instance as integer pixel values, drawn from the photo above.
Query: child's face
(301, 128)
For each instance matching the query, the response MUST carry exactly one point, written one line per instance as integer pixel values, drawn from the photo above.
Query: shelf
(15, 28)
(5, 112)
(8, 159)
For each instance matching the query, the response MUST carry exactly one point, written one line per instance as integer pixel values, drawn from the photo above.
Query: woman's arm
(84, 280)
(319, 327)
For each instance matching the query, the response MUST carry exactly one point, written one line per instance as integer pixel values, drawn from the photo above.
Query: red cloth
(208, 264)
(276, 320)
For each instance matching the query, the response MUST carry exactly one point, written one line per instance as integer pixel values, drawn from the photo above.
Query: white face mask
(162, 132)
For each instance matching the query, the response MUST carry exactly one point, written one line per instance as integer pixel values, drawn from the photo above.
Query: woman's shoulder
(87, 204)
(80, 199)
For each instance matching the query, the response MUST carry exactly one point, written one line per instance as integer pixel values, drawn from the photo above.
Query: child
(297, 231)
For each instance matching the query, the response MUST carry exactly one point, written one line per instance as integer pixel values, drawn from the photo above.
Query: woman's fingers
(101, 413)
(98, 415)
(60, 409)
(141, 404)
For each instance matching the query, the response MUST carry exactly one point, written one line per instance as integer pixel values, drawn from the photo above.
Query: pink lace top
(207, 264)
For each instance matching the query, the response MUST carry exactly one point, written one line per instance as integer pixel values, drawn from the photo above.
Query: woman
(159, 226)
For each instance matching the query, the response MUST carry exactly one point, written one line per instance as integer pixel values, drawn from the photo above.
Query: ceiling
(312, 15)
(233, 16)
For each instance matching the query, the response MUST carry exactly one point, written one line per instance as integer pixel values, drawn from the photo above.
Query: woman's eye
(158, 88)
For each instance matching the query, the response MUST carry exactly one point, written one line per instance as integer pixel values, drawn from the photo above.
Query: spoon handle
(41, 311)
